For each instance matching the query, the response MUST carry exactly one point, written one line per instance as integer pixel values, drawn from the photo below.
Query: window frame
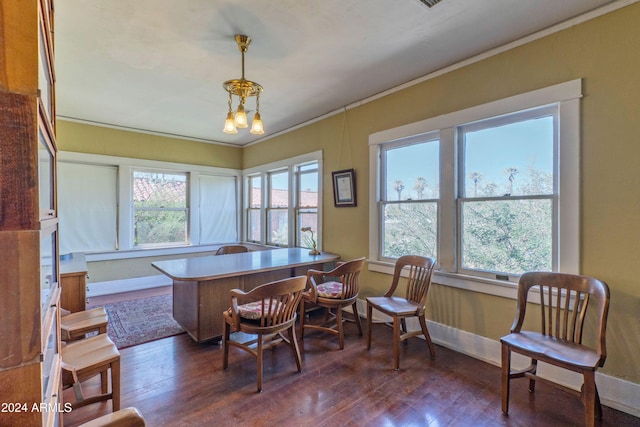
(186, 209)
(125, 247)
(385, 199)
(567, 98)
(461, 198)
(291, 166)
(300, 209)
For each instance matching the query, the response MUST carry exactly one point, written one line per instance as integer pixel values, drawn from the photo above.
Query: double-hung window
(490, 192)
(410, 175)
(278, 208)
(307, 198)
(283, 197)
(254, 208)
(160, 208)
(508, 194)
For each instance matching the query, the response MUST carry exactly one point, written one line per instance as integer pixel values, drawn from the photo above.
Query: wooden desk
(201, 285)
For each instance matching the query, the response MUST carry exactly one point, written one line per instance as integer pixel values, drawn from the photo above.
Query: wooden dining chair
(256, 320)
(231, 249)
(563, 301)
(420, 270)
(86, 358)
(332, 290)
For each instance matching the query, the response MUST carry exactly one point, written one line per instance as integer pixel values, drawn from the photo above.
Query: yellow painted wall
(82, 138)
(605, 53)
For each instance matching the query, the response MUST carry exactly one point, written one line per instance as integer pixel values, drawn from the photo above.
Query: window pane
(278, 227)
(254, 225)
(279, 190)
(410, 228)
(513, 159)
(308, 190)
(160, 207)
(255, 192)
(158, 189)
(508, 236)
(160, 226)
(412, 172)
(307, 218)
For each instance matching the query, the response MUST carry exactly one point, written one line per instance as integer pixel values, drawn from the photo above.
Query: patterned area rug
(141, 320)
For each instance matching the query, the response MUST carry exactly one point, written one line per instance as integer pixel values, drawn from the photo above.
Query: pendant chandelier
(242, 88)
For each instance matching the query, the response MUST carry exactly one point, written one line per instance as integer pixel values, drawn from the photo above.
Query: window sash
(566, 98)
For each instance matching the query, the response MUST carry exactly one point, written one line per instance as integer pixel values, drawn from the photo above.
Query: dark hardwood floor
(176, 382)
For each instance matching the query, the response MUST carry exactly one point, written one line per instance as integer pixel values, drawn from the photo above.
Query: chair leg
(532, 381)
(104, 382)
(396, 343)
(369, 324)
(425, 332)
(598, 405)
(403, 328)
(301, 308)
(225, 346)
(339, 326)
(294, 346)
(259, 363)
(357, 317)
(115, 385)
(506, 370)
(589, 398)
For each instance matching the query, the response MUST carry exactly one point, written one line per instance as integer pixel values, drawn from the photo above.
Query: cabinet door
(46, 175)
(48, 269)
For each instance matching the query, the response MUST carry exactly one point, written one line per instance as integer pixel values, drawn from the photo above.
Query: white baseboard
(614, 392)
(127, 285)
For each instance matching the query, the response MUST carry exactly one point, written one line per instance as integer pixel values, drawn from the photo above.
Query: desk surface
(230, 265)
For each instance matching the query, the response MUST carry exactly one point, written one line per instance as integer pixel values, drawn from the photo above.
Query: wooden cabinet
(73, 281)
(29, 265)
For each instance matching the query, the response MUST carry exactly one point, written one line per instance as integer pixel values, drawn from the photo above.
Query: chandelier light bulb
(229, 124)
(256, 125)
(241, 116)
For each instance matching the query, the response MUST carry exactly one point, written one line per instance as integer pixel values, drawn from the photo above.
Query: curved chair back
(564, 299)
(419, 280)
(348, 274)
(232, 249)
(276, 302)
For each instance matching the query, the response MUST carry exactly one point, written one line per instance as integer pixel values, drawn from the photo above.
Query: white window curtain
(87, 207)
(218, 209)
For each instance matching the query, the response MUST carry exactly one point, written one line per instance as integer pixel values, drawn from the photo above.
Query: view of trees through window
(160, 207)
(505, 196)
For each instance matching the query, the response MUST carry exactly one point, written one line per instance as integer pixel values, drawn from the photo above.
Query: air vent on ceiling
(430, 3)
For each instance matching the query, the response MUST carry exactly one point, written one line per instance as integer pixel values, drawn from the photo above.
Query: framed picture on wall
(344, 188)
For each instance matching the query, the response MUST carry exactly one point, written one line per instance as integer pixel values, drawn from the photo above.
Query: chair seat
(330, 290)
(89, 352)
(76, 325)
(254, 310)
(544, 347)
(395, 305)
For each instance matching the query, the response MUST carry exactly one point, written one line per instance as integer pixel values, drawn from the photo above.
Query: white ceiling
(158, 65)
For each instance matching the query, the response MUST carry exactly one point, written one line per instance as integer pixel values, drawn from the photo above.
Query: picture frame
(344, 188)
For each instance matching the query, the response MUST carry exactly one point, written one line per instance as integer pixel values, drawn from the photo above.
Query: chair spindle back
(564, 299)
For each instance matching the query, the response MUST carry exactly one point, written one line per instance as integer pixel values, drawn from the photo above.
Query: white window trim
(290, 165)
(567, 95)
(125, 166)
